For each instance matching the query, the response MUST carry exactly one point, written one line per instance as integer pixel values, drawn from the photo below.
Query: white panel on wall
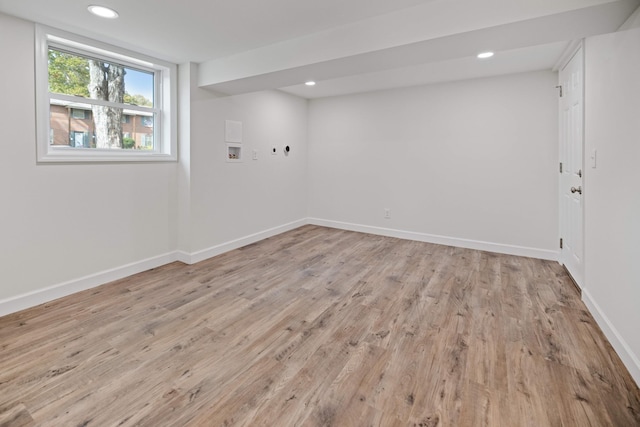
(233, 131)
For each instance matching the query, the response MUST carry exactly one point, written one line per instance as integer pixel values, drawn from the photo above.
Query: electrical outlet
(254, 154)
(274, 151)
(387, 213)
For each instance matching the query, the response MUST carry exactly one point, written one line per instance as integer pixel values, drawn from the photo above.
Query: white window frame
(165, 100)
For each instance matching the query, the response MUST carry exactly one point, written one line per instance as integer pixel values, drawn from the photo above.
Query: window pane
(146, 121)
(93, 126)
(78, 113)
(139, 87)
(78, 75)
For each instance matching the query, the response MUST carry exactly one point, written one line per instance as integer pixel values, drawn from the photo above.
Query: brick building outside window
(71, 124)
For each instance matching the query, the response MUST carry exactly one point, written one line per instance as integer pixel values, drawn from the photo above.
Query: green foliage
(137, 100)
(128, 142)
(68, 74)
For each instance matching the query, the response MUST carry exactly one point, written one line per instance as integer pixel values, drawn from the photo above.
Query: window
(104, 90)
(79, 114)
(147, 121)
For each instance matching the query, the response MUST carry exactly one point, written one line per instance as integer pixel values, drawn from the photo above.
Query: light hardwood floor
(319, 327)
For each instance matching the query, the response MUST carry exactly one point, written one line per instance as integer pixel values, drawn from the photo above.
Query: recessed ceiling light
(103, 12)
(310, 83)
(485, 55)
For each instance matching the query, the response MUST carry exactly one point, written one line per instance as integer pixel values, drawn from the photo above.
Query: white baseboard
(203, 254)
(41, 296)
(629, 358)
(184, 257)
(441, 240)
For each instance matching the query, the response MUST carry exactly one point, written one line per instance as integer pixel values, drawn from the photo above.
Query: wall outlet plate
(274, 151)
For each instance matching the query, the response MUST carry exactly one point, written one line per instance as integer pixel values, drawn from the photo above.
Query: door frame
(575, 47)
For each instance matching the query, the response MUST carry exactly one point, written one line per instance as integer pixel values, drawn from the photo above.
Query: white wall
(233, 200)
(63, 222)
(612, 197)
(473, 160)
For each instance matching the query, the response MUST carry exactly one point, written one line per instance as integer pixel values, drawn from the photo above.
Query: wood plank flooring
(319, 327)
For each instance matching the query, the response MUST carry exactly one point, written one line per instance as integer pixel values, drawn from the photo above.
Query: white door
(572, 167)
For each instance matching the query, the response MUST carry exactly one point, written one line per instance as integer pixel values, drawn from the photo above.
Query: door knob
(576, 190)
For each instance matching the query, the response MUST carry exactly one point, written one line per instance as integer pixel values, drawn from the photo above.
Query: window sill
(93, 155)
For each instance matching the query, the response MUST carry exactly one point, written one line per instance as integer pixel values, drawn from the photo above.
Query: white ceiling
(348, 46)
(200, 30)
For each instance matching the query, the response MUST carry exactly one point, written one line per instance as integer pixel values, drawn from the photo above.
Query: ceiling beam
(273, 67)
